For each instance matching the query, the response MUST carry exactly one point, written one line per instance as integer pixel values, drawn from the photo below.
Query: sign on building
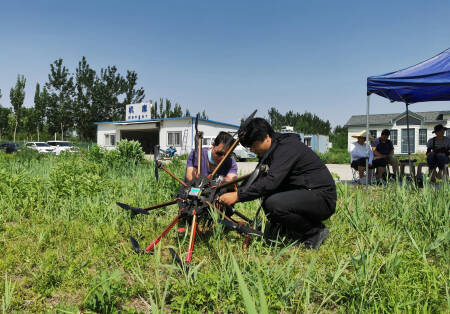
(136, 112)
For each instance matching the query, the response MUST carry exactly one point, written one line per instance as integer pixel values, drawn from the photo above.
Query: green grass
(335, 156)
(64, 248)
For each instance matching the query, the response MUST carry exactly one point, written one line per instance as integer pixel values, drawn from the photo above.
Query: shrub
(126, 152)
(105, 293)
(335, 156)
(130, 150)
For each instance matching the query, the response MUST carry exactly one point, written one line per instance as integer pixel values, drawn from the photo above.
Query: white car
(40, 147)
(61, 146)
(242, 153)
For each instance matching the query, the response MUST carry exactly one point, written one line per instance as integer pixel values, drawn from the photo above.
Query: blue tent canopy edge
(426, 81)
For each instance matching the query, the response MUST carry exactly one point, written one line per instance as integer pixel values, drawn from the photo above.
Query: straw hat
(363, 134)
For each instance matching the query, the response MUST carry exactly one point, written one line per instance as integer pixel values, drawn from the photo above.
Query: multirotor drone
(198, 198)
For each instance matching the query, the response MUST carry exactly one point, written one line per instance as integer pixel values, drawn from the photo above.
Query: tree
(86, 110)
(161, 110)
(4, 113)
(339, 137)
(177, 111)
(40, 105)
(154, 110)
(187, 113)
(168, 111)
(132, 95)
(17, 96)
(29, 121)
(203, 115)
(60, 88)
(306, 122)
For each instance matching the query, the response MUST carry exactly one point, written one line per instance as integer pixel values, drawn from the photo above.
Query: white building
(138, 125)
(421, 126)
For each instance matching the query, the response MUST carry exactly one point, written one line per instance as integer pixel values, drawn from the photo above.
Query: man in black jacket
(298, 190)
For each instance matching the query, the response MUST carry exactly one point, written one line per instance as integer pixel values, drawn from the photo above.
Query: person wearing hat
(382, 147)
(438, 151)
(359, 155)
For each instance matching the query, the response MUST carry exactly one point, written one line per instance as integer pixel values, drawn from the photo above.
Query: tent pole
(408, 139)
(367, 142)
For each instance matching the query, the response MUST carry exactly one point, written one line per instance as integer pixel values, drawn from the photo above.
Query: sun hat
(363, 134)
(438, 128)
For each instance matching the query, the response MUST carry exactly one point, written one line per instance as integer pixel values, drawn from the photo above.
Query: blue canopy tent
(426, 81)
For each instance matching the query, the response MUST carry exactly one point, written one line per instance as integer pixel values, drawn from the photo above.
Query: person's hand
(229, 198)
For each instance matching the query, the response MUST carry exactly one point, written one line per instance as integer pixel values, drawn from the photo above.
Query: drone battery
(195, 192)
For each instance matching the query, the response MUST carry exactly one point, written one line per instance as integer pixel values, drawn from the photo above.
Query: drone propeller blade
(134, 210)
(241, 127)
(240, 228)
(176, 257)
(248, 119)
(196, 122)
(156, 155)
(135, 245)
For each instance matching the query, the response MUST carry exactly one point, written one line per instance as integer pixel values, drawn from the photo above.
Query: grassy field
(64, 248)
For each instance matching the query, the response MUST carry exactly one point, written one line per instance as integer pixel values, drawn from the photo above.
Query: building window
(373, 133)
(110, 139)
(411, 141)
(422, 136)
(208, 141)
(174, 138)
(394, 136)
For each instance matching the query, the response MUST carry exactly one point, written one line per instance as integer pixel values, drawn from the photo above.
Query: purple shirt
(228, 167)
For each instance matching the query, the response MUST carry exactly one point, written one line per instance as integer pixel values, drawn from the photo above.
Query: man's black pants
(300, 211)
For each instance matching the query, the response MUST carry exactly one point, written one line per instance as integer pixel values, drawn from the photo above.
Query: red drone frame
(198, 197)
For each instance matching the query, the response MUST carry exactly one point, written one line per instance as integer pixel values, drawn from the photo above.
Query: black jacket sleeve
(283, 161)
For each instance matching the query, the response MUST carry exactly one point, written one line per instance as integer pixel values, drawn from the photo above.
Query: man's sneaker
(314, 241)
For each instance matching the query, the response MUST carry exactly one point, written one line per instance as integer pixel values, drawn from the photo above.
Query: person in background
(359, 155)
(438, 149)
(382, 147)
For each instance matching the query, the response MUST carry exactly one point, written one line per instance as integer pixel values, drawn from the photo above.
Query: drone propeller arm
(199, 153)
(172, 224)
(171, 174)
(234, 181)
(192, 239)
(161, 205)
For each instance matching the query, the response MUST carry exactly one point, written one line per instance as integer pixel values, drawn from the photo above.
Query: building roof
(163, 119)
(388, 118)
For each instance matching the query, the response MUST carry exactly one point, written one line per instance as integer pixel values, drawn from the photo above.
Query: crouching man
(298, 190)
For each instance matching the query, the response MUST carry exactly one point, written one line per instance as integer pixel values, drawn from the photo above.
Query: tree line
(308, 123)
(70, 102)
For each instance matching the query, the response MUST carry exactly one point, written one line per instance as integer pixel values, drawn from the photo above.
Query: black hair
(386, 132)
(256, 130)
(222, 137)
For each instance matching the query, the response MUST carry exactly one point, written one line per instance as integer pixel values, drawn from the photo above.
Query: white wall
(187, 129)
(102, 130)
(185, 126)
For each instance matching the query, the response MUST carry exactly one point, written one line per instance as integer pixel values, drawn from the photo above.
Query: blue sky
(230, 57)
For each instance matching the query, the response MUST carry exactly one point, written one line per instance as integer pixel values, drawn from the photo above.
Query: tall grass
(64, 247)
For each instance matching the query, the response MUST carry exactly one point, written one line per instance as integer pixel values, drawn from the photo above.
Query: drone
(200, 197)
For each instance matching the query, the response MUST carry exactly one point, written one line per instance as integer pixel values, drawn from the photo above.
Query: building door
(411, 141)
